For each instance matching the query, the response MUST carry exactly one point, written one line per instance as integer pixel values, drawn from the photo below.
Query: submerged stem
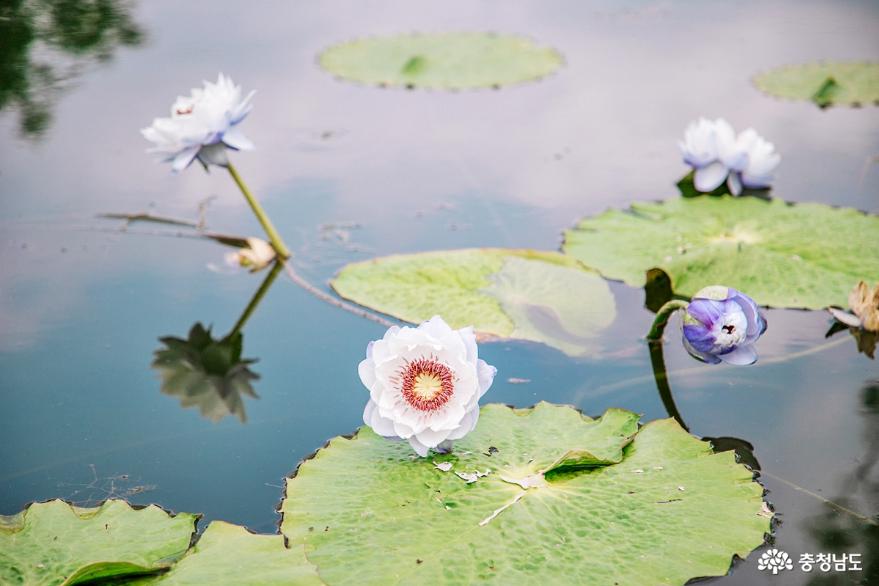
(662, 317)
(273, 235)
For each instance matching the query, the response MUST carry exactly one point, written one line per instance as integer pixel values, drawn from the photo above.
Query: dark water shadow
(46, 44)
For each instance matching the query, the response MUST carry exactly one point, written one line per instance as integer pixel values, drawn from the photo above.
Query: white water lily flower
(760, 161)
(256, 256)
(424, 384)
(716, 155)
(203, 124)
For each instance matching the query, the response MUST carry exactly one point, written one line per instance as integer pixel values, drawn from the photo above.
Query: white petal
(743, 355)
(235, 139)
(467, 425)
(419, 448)
(432, 438)
(366, 370)
(379, 424)
(734, 183)
(709, 178)
(486, 375)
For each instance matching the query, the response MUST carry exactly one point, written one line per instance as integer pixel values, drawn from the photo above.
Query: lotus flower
(424, 384)
(716, 155)
(721, 325)
(203, 125)
(255, 256)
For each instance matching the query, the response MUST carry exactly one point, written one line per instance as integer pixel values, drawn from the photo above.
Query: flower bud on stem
(662, 317)
(273, 235)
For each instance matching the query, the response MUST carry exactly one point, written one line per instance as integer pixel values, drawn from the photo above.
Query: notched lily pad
(229, 554)
(825, 84)
(450, 61)
(521, 294)
(570, 500)
(54, 543)
(785, 255)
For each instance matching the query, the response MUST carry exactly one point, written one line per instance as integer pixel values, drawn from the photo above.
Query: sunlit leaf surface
(55, 543)
(803, 255)
(558, 498)
(522, 294)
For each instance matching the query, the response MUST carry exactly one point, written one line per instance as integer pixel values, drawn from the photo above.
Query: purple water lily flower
(721, 325)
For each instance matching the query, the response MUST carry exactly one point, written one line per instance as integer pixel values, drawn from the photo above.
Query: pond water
(349, 172)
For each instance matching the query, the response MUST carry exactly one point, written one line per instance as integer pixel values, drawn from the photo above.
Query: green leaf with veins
(54, 543)
(544, 297)
(826, 84)
(229, 554)
(785, 255)
(449, 61)
(562, 499)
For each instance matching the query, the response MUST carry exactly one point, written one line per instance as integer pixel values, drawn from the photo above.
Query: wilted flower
(257, 255)
(722, 324)
(863, 322)
(203, 125)
(424, 384)
(716, 155)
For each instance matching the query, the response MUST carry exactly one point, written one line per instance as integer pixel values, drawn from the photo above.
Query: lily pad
(830, 83)
(803, 255)
(522, 294)
(450, 61)
(558, 498)
(55, 543)
(229, 554)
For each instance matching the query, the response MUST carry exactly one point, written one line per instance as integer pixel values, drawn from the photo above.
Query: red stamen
(184, 111)
(427, 384)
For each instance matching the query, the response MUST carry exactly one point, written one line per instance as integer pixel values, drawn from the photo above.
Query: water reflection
(46, 43)
(840, 533)
(744, 449)
(210, 373)
(864, 339)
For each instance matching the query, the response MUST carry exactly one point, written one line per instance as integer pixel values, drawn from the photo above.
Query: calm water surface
(82, 304)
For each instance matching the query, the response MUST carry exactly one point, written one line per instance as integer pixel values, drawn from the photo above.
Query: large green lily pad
(229, 554)
(803, 255)
(826, 84)
(522, 294)
(463, 60)
(553, 497)
(55, 543)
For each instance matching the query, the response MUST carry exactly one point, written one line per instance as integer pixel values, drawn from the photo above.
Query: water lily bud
(203, 125)
(256, 256)
(424, 384)
(721, 325)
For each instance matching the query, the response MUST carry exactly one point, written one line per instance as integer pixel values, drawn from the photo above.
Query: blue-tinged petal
(699, 355)
(699, 337)
(756, 321)
(707, 311)
(184, 158)
(710, 177)
(742, 355)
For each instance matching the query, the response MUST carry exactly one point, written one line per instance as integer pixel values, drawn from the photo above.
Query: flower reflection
(208, 372)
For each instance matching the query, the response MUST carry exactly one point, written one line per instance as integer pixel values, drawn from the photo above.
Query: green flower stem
(657, 361)
(257, 297)
(273, 235)
(662, 316)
